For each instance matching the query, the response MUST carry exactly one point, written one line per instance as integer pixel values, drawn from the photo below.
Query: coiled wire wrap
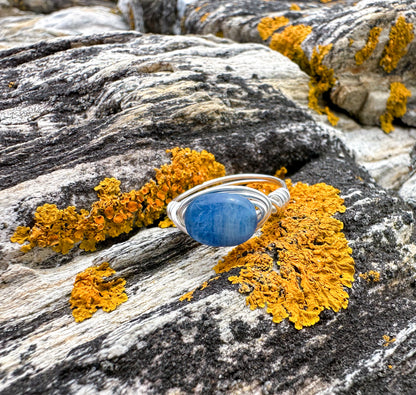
(265, 204)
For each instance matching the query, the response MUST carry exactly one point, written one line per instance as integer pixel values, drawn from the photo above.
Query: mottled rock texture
(160, 16)
(132, 11)
(47, 6)
(360, 89)
(30, 28)
(76, 110)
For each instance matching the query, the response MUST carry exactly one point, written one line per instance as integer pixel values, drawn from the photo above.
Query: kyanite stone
(221, 219)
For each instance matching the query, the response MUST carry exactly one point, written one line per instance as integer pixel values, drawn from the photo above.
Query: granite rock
(77, 109)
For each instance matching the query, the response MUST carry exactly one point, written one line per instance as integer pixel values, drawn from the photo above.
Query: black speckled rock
(81, 109)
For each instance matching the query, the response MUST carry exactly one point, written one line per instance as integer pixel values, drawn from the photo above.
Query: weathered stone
(30, 28)
(362, 90)
(385, 156)
(160, 16)
(166, 76)
(7, 10)
(47, 6)
(132, 11)
(83, 108)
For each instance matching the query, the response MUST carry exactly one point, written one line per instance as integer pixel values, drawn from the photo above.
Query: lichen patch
(301, 263)
(92, 291)
(269, 25)
(116, 212)
(401, 34)
(396, 105)
(363, 54)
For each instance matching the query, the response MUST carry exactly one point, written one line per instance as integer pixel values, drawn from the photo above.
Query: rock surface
(84, 108)
(31, 28)
(361, 90)
(48, 6)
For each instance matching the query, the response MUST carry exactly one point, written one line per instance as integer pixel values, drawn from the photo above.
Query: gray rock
(83, 108)
(132, 11)
(170, 68)
(362, 90)
(385, 156)
(7, 10)
(47, 6)
(30, 28)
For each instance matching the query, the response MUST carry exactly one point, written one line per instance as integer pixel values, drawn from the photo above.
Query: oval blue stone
(221, 219)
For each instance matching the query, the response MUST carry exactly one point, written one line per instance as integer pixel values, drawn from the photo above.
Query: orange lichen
(372, 275)
(322, 80)
(289, 41)
(204, 17)
(294, 7)
(300, 263)
(388, 341)
(267, 26)
(401, 34)
(166, 223)
(363, 54)
(281, 173)
(189, 295)
(91, 291)
(396, 105)
(116, 212)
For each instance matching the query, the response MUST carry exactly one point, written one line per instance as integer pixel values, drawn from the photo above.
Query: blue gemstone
(221, 219)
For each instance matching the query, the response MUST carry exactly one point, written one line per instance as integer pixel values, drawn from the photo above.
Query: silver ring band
(265, 204)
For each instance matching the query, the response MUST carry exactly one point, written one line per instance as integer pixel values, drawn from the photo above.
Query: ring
(223, 212)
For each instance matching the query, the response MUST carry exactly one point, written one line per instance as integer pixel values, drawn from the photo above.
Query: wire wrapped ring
(221, 207)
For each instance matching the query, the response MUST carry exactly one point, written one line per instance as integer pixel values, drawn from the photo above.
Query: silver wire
(265, 204)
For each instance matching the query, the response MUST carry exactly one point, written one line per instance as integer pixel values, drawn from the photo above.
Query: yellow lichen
(350, 41)
(294, 7)
(289, 41)
(401, 34)
(91, 291)
(372, 275)
(204, 17)
(388, 341)
(267, 26)
(363, 54)
(300, 263)
(281, 173)
(116, 212)
(321, 80)
(396, 105)
(166, 223)
(189, 295)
